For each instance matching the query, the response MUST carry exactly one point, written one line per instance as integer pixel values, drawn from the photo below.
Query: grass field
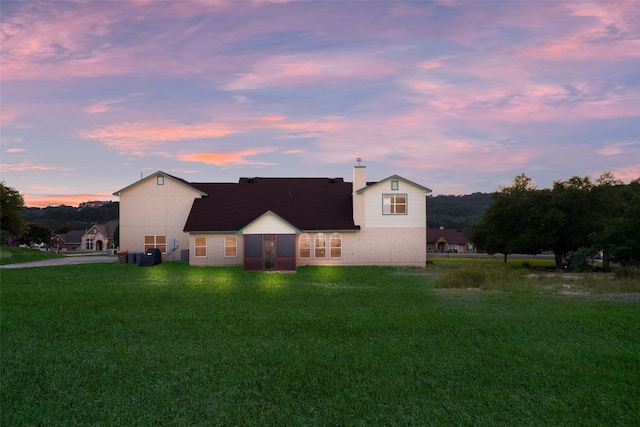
(178, 345)
(13, 255)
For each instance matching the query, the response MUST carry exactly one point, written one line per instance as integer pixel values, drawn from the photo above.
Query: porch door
(269, 252)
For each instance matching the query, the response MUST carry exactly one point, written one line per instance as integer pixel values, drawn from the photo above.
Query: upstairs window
(160, 180)
(394, 204)
(394, 184)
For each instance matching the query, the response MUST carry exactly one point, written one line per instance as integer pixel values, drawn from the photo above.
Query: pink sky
(459, 96)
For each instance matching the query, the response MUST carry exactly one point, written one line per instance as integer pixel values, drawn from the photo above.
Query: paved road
(68, 260)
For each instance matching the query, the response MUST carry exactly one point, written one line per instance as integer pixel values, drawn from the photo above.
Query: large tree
(510, 224)
(11, 207)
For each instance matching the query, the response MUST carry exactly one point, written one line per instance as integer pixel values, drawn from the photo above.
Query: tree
(35, 234)
(510, 224)
(11, 207)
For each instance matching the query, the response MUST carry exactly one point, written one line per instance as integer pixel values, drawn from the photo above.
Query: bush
(581, 261)
(627, 273)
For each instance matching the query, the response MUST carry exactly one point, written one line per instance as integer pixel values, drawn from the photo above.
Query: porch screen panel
(253, 246)
(286, 245)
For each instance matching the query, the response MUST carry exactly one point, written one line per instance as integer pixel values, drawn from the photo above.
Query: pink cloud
(34, 200)
(618, 148)
(14, 150)
(230, 158)
(28, 167)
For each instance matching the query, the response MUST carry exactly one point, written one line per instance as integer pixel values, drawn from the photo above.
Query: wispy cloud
(231, 158)
(27, 167)
(14, 150)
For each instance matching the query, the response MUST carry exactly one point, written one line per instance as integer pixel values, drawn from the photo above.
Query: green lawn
(14, 255)
(177, 345)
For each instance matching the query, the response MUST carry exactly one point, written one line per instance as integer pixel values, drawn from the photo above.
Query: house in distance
(277, 224)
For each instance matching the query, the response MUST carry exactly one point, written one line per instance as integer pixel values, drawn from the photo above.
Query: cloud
(109, 104)
(136, 138)
(35, 200)
(619, 148)
(28, 167)
(230, 158)
(14, 150)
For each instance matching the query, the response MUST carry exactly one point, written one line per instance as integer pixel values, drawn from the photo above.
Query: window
(394, 204)
(394, 184)
(320, 245)
(230, 246)
(304, 245)
(200, 247)
(89, 244)
(160, 180)
(336, 245)
(159, 242)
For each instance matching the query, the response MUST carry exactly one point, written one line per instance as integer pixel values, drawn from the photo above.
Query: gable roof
(166, 175)
(399, 178)
(448, 235)
(71, 237)
(308, 204)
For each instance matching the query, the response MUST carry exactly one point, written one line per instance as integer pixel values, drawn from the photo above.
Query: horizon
(460, 97)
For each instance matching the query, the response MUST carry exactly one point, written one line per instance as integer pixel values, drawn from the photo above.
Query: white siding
(150, 209)
(416, 215)
(269, 224)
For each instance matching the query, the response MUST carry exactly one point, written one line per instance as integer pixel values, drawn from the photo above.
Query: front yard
(177, 345)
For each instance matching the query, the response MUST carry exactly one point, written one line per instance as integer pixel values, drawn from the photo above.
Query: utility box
(184, 255)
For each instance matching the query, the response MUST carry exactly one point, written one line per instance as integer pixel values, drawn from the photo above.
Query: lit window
(394, 204)
(394, 184)
(304, 245)
(230, 246)
(159, 242)
(160, 180)
(336, 245)
(201, 246)
(320, 245)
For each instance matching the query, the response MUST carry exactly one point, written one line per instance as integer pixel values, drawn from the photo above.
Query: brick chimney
(359, 182)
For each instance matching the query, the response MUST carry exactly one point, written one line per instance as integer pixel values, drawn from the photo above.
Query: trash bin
(138, 256)
(122, 257)
(131, 257)
(149, 258)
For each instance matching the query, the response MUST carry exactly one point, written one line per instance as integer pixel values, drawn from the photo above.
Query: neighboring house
(70, 241)
(447, 240)
(277, 223)
(99, 237)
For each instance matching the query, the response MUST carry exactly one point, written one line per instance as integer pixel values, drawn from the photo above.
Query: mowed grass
(178, 345)
(15, 255)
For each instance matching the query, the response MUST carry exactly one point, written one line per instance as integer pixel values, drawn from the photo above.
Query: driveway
(68, 260)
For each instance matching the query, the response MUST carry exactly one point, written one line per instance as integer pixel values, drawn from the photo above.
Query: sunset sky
(458, 96)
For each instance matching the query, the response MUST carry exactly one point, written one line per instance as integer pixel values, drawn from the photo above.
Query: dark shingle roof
(447, 234)
(305, 203)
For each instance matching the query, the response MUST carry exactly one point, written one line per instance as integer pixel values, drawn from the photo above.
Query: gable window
(160, 180)
(304, 245)
(336, 245)
(159, 242)
(394, 184)
(320, 245)
(230, 246)
(394, 204)
(200, 247)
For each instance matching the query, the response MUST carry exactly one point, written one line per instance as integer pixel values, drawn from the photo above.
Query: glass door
(269, 255)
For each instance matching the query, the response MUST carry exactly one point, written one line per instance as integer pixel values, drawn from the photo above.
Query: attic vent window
(394, 184)
(160, 180)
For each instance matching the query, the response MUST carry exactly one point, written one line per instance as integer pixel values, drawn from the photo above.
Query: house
(99, 237)
(447, 240)
(69, 241)
(277, 223)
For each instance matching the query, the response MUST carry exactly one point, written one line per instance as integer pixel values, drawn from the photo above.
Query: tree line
(576, 219)
(24, 225)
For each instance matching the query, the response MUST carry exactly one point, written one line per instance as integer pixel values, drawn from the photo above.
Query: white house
(277, 223)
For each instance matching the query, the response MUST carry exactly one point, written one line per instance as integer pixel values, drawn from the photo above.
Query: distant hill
(69, 217)
(457, 212)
